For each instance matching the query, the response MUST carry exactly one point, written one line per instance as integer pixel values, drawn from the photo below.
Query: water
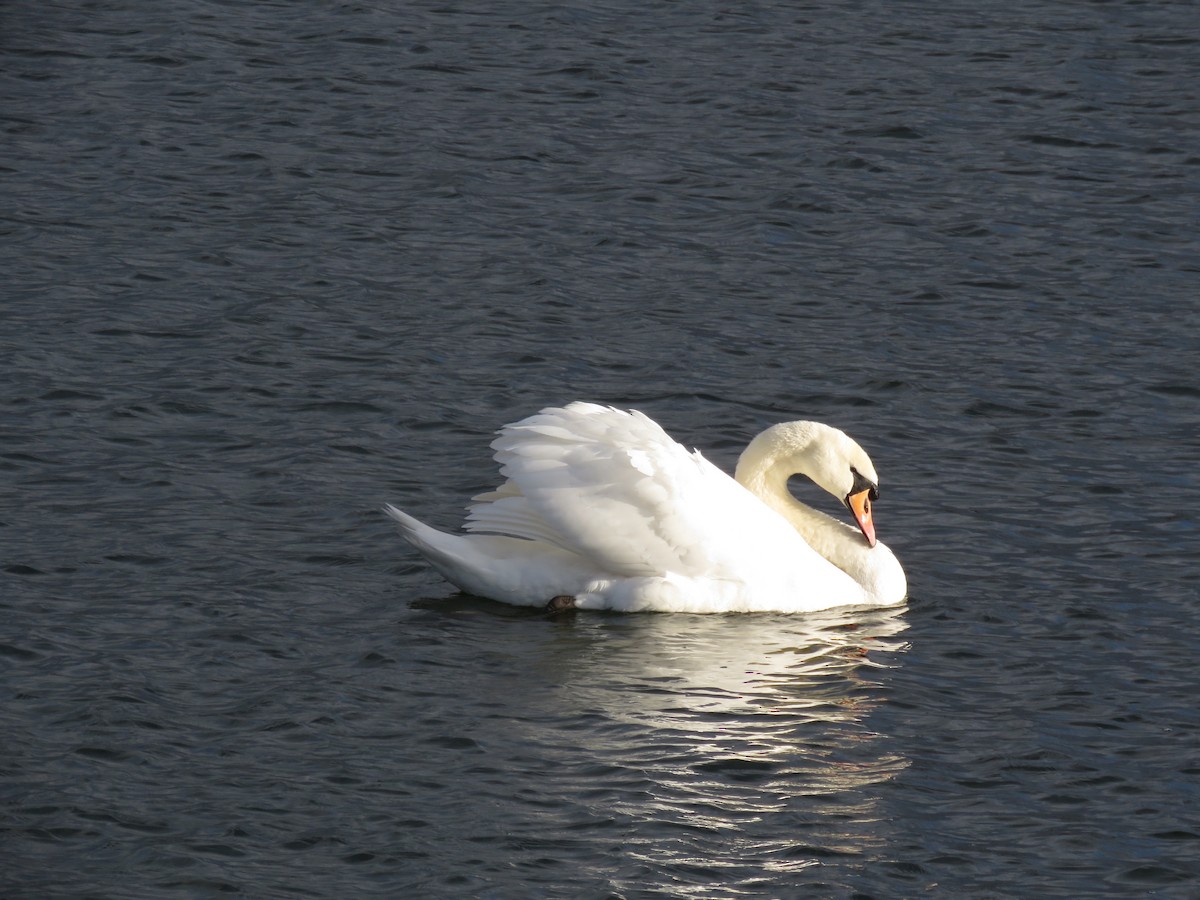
(269, 266)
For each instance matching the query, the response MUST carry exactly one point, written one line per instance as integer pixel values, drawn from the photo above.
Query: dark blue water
(267, 266)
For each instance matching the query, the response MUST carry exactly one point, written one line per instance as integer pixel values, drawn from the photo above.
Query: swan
(601, 509)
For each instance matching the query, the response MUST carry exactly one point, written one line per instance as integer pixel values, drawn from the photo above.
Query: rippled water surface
(269, 265)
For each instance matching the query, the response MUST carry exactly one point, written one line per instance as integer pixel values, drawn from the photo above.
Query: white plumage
(601, 506)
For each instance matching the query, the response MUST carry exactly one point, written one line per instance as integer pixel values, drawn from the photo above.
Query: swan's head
(830, 457)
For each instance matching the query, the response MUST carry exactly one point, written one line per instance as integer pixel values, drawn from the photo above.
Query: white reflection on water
(791, 669)
(736, 743)
(707, 755)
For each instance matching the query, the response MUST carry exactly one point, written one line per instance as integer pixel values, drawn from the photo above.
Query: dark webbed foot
(560, 603)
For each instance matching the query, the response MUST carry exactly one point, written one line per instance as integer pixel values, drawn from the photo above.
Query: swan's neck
(765, 474)
(834, 540)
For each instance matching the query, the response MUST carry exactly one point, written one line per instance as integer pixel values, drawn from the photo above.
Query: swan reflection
(746, 737)
(687, 754)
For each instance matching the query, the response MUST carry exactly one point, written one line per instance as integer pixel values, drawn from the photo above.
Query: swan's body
(601, 509)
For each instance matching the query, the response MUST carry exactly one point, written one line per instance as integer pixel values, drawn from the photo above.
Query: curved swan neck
(818, 452)
(776, 455)
(772, 458)
(814, 450)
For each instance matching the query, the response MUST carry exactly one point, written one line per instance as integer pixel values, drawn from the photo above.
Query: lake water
(267, 266)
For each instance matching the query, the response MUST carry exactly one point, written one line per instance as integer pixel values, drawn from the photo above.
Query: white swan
(601, 509)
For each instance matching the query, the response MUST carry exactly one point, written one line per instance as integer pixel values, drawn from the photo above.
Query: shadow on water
(716, 752)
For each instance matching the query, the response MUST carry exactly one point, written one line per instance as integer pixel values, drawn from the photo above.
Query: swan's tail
(509, 569)
(453, 555)
(436, 546)
(408, 525)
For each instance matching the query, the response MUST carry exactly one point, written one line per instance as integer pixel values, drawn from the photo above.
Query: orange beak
(860, 505)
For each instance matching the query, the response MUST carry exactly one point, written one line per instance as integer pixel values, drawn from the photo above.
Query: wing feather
(614, 488)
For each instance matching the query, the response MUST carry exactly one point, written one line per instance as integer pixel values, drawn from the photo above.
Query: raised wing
(614, 488)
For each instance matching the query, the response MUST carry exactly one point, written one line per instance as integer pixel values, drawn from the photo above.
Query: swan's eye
(862, 483)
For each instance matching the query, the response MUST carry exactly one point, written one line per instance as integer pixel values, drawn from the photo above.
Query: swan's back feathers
(613, 487)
